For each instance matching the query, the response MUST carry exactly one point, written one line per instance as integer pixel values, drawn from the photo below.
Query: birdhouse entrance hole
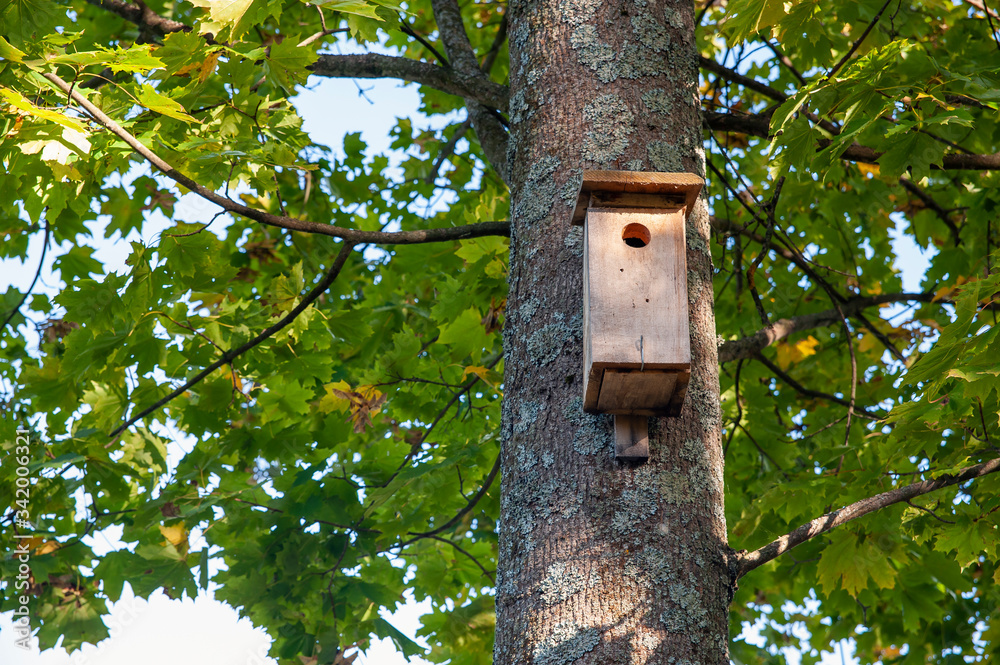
(636, 337)
(636, 235)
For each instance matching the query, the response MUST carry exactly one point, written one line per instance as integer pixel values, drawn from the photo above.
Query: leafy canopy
(350, 455)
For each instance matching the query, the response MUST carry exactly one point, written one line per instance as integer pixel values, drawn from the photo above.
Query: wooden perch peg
(637, 347)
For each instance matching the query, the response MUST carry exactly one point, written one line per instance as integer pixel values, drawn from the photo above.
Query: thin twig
(38, 272)
(929, 511)
(407, 30)
(739, 410)
(466, 553)
(798, 387)
(746, 347)
(498, 40)
(857, 42)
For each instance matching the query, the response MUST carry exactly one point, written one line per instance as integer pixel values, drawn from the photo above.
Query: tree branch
(141, 15)
(745, 81)
(448, 17)
(740, 123)
(374, 65)
(749, 346)
(352, 236)
(981, 6)
(951, 161)
(747, 561)
(492, 135)
(464, 511)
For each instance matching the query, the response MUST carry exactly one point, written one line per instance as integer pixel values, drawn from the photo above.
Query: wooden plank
(680, 392)
(635, 302)
(687, 185)
(592, 375)
(640, 181)
(664, 202)
(625, 391)
(632, 438)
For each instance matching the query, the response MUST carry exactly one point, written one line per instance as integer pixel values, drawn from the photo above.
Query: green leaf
(405, 645)
(357, 7)
(288, 64)
(849, 565)
(747, 17)
(464, 333)
(914, 152)
(162, 104)
(203, 569)
(138, 58)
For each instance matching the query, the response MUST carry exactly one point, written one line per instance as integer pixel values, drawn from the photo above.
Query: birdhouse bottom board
(641, 392)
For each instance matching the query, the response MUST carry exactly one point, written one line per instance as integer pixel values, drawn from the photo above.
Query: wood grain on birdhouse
(637, 348)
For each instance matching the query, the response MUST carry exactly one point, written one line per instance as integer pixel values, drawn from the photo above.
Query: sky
(203, 631)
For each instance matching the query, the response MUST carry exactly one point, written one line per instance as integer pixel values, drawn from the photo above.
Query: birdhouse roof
(685, 186)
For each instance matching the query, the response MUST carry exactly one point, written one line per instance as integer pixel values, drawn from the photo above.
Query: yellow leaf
(475, 369)
(370, 393)
(18, 101)
(50, 546)
(807, 346)
(188, 68)
(176, 535)
(867, 343)
(331, 401)
(39, 546)
(869, 169)
(946, 292)
(789, 354)
(208, 66)
(484, 375)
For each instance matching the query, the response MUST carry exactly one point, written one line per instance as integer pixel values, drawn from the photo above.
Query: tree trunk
(602, 561)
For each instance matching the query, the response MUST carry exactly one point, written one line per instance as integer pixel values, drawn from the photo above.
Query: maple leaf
(789, 354)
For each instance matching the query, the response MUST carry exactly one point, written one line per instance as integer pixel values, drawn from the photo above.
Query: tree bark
(602, 561)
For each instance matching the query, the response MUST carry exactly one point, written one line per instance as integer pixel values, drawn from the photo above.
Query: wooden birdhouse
(637, 347)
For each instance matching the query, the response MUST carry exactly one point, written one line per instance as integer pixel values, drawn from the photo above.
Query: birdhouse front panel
(637, 350)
